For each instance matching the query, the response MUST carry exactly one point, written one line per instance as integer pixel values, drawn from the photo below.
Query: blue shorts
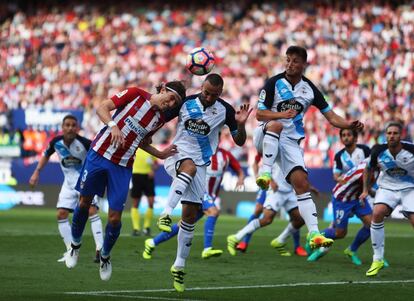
(208, 202)
(344, 210)
(261, 196)
(99, 173)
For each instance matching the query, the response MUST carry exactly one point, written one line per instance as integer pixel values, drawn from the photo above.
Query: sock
(111, 236)
(270, 150)
(296, 238)
(80, 216)
(65, 232)
(377, 239)
(330, 233)
(135, 219)
(164, 236)
(362, 235)
(96, 226)
(184, 238)
(209, 231)
(248, 236)
(249, 228)
(148, 218)
(286, 233)
(307, 210)
(177, 189)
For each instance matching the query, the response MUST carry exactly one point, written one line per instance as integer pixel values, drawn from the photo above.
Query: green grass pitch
(30, 245)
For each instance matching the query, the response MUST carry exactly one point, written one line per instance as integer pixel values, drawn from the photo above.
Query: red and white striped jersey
(353, 185)
(219, 162)
(136, 118)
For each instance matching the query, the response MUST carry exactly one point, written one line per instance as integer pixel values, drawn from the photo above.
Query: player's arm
(104, 113)
(236, 121)
(34, 179)
(164, 154)
(235, 165)
(367, 176)
(255, 166)
(339, 122)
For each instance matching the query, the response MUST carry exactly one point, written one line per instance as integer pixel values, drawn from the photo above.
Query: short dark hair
(394, 123)
(215, 79)
(354, 132)
(178, 87)
(300, 51)
(69, 116)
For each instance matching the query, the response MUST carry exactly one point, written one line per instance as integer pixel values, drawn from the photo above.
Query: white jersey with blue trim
(71, 158)
(279, 95)
(345, 161)
(396, 173)
(280, 180)
(198, 128)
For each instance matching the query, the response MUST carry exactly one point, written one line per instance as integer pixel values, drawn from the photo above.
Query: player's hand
(117, 138)
(168, 152)
(240, 185)
(288, 114)
(274, 186)
(363, 196)
(357, 125)
(34, 179)
(243, 113)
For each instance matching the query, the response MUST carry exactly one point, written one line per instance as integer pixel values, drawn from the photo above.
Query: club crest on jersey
(136, 127)
(262, 95)
(197, 127)
(290, 104)
(396, 172)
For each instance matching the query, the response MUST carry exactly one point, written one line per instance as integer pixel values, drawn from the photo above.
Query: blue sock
(296, 239)
(247, 238)
(362, 235)
(80, 217)
(164, 236)
(209, 231)
(111, 236)
(330, 233)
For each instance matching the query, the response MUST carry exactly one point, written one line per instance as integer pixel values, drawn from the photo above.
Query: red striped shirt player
(215, 172)
(108, 165)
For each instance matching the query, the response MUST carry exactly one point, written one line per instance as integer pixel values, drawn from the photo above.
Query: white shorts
(69, 198)
(195, 192)
(277, 200)
(392, 198)
(290, 155)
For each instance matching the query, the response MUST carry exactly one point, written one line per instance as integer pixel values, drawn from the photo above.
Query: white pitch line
(245, 287)
(141, 297)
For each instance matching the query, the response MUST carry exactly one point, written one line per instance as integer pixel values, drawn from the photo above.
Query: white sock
(307, 210)
(177, 189)
(289, 230)
(96, 226)
(378, 239)
(184, 239)
(249, 228)
(270, 150)
(65, 232)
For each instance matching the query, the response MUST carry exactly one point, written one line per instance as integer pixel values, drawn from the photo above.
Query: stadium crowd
(69, 55)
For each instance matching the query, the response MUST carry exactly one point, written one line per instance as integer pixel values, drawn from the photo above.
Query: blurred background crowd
(74, 54)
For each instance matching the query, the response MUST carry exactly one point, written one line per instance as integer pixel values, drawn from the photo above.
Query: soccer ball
(200, 61)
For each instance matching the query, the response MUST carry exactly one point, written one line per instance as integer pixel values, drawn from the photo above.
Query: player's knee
(62, 214)
(274, 126)
(93, 210)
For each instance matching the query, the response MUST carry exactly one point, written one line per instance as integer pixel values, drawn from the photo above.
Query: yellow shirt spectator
(143, 163)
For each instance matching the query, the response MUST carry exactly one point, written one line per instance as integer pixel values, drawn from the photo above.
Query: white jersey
(345, 161)
(198, 128)
(71, 157)
(280, 180)
(278, 95)
(395, 173)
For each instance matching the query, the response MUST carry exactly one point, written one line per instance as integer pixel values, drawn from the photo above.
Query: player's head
(393, 133)
(211, 89)
(70, 127)
(296, 58)
(169, 95)
(348, 137)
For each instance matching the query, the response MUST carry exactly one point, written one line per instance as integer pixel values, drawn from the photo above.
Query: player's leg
(96, 227)
(234, 239)
(269, 153)
(62, 215)
(260, 199)
(184, 242)
(212, 213)
(183, 176)
(150, 193)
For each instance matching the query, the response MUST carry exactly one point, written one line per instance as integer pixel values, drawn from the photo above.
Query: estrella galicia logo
(290, 104)
(396, 172)
(71, 161)
(197, 127)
